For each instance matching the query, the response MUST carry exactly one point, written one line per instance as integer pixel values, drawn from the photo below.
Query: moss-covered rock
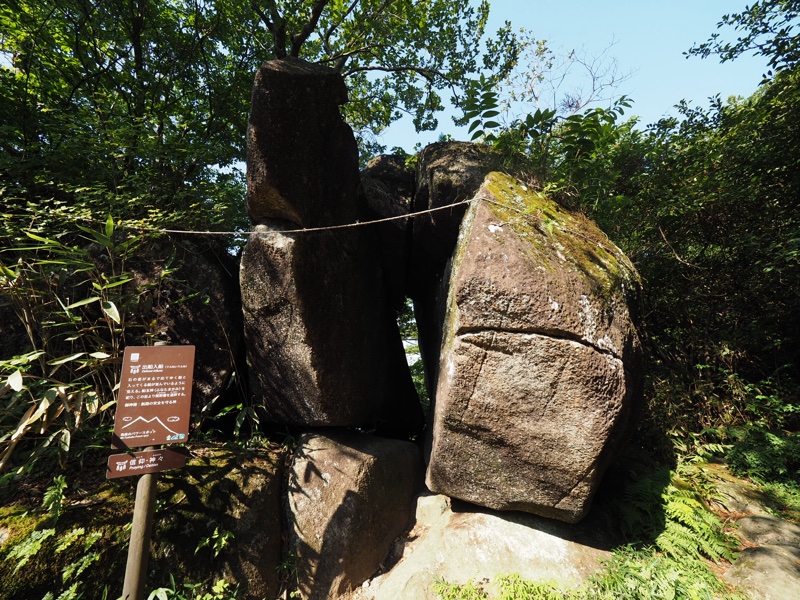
(539, 370)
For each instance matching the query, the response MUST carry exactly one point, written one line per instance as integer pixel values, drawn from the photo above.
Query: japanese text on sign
(140, 463)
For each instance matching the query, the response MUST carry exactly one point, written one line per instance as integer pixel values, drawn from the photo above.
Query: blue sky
(649, 40)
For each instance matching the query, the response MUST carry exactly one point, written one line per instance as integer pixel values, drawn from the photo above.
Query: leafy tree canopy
(396, 55)
(769, 28)
(121, 107)
(139, 107)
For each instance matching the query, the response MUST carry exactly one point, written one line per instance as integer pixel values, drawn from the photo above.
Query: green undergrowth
(69, 539)
(769, 458)
(61, 540)
(629, 575)
(61, 561)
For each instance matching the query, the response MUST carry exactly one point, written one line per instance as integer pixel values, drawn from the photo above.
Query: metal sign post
(153, 407)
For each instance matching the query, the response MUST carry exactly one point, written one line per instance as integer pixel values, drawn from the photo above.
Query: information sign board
(147, 461)
(155, 395)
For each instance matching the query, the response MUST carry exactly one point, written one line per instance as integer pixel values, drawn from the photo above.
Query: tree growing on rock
(397, 56)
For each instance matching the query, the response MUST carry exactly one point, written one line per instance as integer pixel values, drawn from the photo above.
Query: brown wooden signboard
(155, 395)
(147, 461)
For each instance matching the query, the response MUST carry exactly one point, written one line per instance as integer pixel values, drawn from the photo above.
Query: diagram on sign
(154, 396)
(154, 422)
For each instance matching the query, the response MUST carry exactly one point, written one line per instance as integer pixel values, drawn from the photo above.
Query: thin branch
(334, 26)
(361, 33)
(674, 253)
(264, 18)
(345, 55)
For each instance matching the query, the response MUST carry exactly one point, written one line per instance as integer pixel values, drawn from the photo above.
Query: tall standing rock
(539, 367)
(322, 343)
(302, 158)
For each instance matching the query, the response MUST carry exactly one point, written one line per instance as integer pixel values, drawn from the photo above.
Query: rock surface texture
(323, 346)
(322, 343)
(769, 566)
(387, 186)
(458, 546)
(217, 493)
(350, 496)
(448, 173)
(302, 158)
(539, 361)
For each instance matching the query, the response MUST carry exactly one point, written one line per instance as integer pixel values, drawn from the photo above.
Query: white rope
(317, 229)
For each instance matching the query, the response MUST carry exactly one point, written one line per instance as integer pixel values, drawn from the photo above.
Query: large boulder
(448, 173)
(322, 343)
(387, 186)
(302, 158)
(350, 496)
(222, 520)
(539, 364)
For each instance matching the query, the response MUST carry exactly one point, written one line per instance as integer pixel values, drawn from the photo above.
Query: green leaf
(39, 238)
(29, 547)
(114, 284)
(15, 380)
(83, 302)
(109, 227)
(66, 359)
(98, 237)
(64, 441)
(111, 310)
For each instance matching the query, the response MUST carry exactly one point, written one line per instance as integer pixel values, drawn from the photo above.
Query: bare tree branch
(326, 39)
(345, 55)
(674, 253)
(362, 35)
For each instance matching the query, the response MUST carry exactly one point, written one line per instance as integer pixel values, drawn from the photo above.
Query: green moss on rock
(554, 232)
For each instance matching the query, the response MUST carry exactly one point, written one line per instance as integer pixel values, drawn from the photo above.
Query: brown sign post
(153, 407)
